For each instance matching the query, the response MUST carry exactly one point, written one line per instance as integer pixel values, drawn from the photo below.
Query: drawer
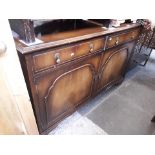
(89, 47)
(54, 57)
(115, 40)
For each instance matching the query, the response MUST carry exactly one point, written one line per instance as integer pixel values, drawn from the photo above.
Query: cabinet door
(113, 65)
(65, 87)
(68, 90)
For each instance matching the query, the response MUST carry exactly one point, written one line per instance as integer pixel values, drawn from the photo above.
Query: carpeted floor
(123, 110)
(77, 125)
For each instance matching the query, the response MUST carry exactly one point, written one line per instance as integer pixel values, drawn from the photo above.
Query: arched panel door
(114, 63)
(67, 91)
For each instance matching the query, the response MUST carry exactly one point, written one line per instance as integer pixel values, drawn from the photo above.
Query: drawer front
(89, 47)
(50, 58)
(115, 40)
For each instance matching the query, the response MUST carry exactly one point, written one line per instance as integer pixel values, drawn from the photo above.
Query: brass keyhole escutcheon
(57, 58)
(117, 41)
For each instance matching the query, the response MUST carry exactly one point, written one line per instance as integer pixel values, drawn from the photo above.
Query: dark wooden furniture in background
(143, 48)
(76, 61)
(24, 28)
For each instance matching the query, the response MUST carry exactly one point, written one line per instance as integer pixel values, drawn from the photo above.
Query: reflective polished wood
(64, 73)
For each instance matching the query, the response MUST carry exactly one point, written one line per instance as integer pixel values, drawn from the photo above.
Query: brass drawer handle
(91, 46)
(117, 42)
(57, 58)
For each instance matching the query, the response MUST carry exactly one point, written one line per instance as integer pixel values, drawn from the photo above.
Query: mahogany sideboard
(69, 67)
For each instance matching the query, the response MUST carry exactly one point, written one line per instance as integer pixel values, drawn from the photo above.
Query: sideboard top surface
(63, 38)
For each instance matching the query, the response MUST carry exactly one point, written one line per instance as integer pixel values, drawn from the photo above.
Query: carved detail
(108, 60)
(50, 89)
